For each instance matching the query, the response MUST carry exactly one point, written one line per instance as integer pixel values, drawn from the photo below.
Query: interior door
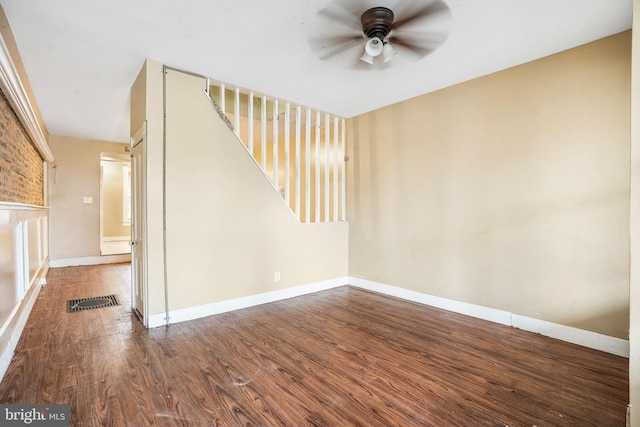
(138, 225)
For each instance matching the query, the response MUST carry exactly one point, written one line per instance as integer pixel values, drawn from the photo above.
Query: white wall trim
(17, 96)
(197, 312)
(589, 339)
(17, 321)
(594, 340)
(116, 239)
(491, 314)
(90, 260)
(21, 206)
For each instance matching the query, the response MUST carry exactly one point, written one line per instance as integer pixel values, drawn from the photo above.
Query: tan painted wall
(74, 225)
(139, 100)
(228, 230)
(510, 191)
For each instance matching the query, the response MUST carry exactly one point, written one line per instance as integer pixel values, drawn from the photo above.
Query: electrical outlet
(276, 276)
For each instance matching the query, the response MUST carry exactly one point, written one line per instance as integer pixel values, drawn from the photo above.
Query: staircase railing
(299, 149)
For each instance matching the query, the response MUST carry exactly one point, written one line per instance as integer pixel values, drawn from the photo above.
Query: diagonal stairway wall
(300, 150)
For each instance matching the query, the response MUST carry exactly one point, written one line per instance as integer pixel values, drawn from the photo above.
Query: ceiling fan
(362, 32)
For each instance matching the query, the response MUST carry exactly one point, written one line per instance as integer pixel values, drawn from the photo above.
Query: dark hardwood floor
(341, 357)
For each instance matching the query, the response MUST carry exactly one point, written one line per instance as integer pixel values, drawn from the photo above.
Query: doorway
(115, 204)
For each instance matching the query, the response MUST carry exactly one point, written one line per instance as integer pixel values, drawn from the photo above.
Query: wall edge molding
(13, 88)
(21, 206)
(589, 339)
(116, 239)
(192, 313)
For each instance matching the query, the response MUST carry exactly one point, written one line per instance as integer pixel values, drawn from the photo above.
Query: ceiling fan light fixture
(373, 47)
(388, 52)
(367, 58)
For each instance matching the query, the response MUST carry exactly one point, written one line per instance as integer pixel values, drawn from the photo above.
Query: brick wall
(21, 170)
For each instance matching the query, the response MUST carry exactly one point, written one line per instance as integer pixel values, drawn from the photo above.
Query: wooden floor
(341, 357)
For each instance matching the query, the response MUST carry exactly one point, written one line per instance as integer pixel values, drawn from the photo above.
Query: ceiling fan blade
(435, 10)
(433, 38)
(421, 47)
(327, 47)
(337, 13)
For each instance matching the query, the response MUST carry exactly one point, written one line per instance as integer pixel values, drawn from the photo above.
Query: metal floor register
(81, 304)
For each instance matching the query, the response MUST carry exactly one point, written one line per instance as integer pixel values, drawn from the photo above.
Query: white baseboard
(594, 340)
(493, 315)
(18, 319)
(192, 313)
(581, 337)
(90, 260)
(116, 239)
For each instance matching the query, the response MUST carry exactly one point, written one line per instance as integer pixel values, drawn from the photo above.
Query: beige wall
(75, 225)
(510, 191)
(228, 230)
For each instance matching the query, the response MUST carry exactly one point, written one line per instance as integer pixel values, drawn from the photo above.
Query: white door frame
(139, 226)
(115, 158)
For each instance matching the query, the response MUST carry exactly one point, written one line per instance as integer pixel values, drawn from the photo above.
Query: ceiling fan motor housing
(377, 22)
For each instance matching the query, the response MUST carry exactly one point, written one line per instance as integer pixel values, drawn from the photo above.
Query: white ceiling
(82, 56)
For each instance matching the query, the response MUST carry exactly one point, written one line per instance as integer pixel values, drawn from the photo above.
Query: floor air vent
(81, 304)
